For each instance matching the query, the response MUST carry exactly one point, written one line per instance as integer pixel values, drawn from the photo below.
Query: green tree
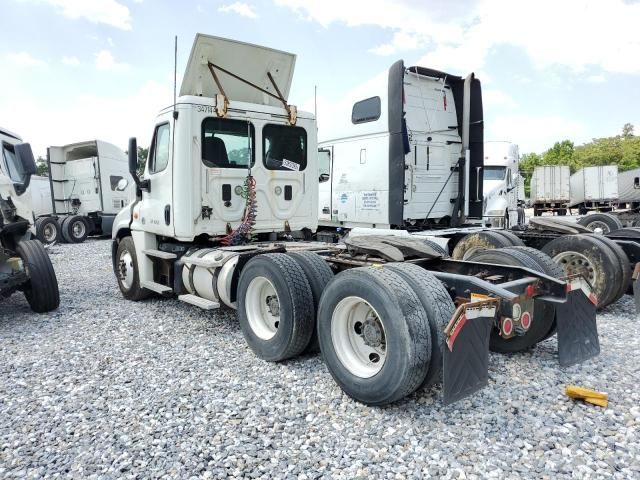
(42, 167)
(627, 130)
(143, 153)
(528, 162)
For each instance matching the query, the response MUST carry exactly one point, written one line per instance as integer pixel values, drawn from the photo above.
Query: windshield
(494, 173)
(14, 169)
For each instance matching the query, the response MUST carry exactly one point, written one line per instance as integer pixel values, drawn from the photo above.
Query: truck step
(203, 303)
(201, 262)
(159, 254)
(156, 287)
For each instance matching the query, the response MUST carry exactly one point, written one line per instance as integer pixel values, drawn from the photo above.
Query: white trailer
(227, 203)
(594, 188)
(629, 188)
(41, 195)
(89, 185)
(24, 263)
(550, 191)
(503, 187)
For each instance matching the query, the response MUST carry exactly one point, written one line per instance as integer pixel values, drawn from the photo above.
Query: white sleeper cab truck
(89, 184)
(224, 216)
(408, 154)
(24, 263)
(502, 185)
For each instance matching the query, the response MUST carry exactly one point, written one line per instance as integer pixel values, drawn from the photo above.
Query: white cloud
(497, 98)
(401, 41)
(71, 61)
(596, 78)
(25, 59)
(242, 9)
(573, 33)
(108, 12)
(106, 61)
(534, 133)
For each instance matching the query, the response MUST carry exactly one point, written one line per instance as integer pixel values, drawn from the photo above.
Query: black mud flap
(577, 329)
(466, 350)
(636, 287)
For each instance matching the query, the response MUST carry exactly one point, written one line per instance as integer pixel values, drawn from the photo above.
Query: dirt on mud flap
(576, 319)
(466, 349)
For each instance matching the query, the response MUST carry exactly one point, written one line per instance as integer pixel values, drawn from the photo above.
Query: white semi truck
(88, 185)
(225, 211)
(24, 263)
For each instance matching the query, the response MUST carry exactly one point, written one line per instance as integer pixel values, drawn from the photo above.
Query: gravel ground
(107, 388)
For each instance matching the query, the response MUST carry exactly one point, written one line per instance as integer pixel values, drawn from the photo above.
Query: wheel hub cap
(372, 333)
(125, 269)
(262, 307)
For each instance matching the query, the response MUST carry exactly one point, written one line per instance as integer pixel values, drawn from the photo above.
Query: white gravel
(107, 388)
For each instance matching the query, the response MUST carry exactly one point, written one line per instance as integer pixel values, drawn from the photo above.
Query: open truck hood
(250, 62)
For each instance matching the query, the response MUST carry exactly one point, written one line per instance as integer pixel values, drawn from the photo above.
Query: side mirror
(25, 158)
(122, 185)
(133, 157)
(324, 177)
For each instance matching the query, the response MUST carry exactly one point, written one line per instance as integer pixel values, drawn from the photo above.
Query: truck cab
(24, 263)
(503, 186)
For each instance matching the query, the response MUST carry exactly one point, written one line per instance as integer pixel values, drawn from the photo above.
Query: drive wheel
(623, 259)
(475, 242)
(605, 221)
(583, 254)
(75, 229)
(543, 312)
(374, 335)
(438, 305)
(41, 290)
(275, 307)
(126, 269)
(319, 274)
(47, 230)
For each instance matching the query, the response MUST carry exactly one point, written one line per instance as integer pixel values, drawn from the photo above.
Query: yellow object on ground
(590, 396)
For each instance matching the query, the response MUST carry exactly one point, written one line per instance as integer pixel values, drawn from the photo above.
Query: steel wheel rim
(263, 308)
(125, 269)
(354, 324)
(598, 224)
(78, 229)
(49, 233)
(576, 263)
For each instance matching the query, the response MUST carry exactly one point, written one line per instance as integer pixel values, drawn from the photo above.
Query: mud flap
(577, 329)
(636, 287)
(466, 350)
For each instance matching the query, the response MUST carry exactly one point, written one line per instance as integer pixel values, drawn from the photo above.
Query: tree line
(622, 150)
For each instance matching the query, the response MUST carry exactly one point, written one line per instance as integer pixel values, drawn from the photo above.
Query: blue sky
(72, 70)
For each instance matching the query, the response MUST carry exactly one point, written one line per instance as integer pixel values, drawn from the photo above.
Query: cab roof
(247, 61)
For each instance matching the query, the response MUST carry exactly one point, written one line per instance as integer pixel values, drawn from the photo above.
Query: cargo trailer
(594, 188)
(550, 189)
(629, 189)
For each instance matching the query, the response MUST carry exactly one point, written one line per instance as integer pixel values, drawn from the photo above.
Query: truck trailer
(594, 188)
(550, 191)
(89, 184)
(24, 263)
(225, 215)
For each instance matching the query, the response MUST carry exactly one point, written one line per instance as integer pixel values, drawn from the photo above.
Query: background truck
(233, 226)
(503, 187)
(594, 188)
(550, 191)
(24, 263)
(88, 185)
(629, 189)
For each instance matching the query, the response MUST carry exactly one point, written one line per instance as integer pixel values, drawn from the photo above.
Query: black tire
(625, 264)
(562, 212)
(485, 240)
(544, 312)
(63, 232)
(437, 247)
(439, 307)
(632, 233)
(603, 265)
(406, 330)
(294, 303)
(319, 274)
(41, 291)
(514, 240)
(47, 230)
(602, 220)
(636, 223)
(582, 210)
(75, 229)
(125, 265)
(536, 212)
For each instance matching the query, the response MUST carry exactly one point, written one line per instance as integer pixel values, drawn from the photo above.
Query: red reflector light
(507, 326)
(530, 291)
(525, 320)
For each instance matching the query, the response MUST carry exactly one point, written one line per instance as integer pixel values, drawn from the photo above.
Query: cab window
(14, 169)
(324, 165)
(159, 156)
(493, 173)
(284, 147)
(226, 143)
